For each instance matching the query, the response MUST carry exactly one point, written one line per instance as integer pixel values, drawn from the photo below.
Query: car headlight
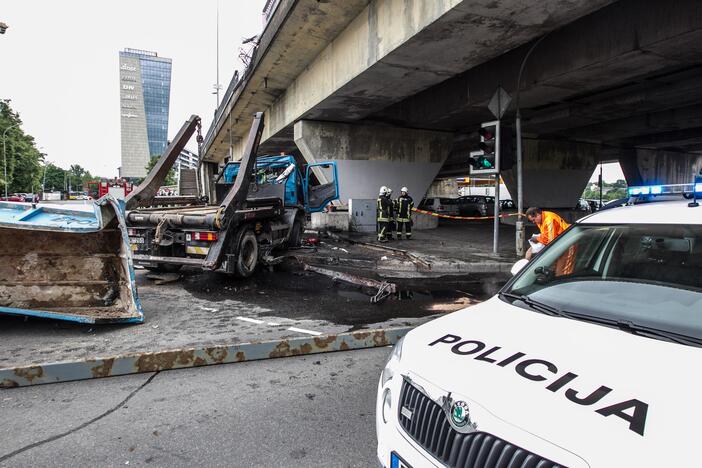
(387, 405)
(392, 362)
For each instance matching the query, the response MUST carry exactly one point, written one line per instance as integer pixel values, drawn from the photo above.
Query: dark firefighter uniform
(386, 216)
(393, 223)
(404, 215)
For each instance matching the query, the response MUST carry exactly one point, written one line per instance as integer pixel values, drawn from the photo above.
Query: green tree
(55, 178)
(24, 161)
(170, 178)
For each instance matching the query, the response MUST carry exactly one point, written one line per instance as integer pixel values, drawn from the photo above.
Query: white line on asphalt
(273, 324)
(209, 309)
(246, 319)
(302, 330)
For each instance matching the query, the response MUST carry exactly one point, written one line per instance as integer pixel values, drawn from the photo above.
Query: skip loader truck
(75, 263)
(244, 211)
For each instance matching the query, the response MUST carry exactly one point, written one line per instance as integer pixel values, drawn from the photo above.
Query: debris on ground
(384, 288)
(163, 278)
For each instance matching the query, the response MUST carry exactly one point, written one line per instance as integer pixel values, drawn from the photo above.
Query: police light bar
(671, 189)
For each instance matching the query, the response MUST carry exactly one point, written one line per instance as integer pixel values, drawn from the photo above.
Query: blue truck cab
(281, 176)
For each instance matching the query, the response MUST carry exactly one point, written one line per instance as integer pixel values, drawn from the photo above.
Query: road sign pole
(520, 190)
(496, 210)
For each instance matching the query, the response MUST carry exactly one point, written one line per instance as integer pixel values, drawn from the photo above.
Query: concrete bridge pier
(369, 157)
(657, 167)
(555, 172)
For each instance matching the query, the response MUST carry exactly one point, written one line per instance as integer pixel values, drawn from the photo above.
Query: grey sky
(60, 66)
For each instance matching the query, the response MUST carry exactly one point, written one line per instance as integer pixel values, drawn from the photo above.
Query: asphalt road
(307, 411)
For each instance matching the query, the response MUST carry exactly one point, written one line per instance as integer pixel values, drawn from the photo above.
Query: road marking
(273, 324)
(209, 309)
(302, 330)
(246, 319)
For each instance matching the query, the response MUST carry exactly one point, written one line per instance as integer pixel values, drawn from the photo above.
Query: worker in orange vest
(550, 227)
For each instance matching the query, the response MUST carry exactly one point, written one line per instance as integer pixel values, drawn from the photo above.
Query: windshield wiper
(535, 305)
(642, 330)
(623, 325)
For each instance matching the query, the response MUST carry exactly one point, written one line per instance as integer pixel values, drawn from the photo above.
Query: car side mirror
(518, 266)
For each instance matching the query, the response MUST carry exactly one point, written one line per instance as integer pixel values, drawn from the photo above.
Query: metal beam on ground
(134, 363)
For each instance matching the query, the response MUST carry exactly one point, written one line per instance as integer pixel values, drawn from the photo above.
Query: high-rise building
(145, 89)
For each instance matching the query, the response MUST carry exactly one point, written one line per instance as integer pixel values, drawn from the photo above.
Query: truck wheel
(295, 239)
(247, 254)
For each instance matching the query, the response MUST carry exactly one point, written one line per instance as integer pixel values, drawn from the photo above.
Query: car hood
(607, 396)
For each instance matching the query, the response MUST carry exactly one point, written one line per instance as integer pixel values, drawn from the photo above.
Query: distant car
(614, 203)
(476, 205)
(507, 205)
(595, 204)
(13, 198)
(583, 205)
(447, 206)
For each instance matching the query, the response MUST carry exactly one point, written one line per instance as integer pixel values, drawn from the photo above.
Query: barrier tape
(432, 213)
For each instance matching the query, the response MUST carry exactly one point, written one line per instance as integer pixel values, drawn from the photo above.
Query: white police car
(590, 356)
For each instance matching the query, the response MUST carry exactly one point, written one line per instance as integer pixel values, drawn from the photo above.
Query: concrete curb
(134, 363)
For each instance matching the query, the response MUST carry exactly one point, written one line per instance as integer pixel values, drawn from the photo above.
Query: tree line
(27, 168)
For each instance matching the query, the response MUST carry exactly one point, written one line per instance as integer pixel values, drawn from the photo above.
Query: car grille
(429, 427)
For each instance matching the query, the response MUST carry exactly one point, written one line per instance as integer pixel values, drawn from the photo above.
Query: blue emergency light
(636, 191)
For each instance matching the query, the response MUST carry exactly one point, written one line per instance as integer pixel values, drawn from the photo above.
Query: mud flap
(67, 262)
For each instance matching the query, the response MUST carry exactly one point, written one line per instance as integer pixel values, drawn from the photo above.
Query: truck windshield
(645, 276)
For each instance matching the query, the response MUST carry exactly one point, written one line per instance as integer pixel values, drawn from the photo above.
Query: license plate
(397, 462)
(136, 240)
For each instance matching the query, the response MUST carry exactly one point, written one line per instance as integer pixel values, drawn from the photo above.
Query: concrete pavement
(303, 411)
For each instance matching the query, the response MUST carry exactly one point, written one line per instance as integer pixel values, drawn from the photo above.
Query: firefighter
(403, 215)
(393, 222)
(385, 214)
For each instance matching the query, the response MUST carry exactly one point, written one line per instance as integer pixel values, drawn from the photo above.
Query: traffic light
(487, 159)
(496, 153)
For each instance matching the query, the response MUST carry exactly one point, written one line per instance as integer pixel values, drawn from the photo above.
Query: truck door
(319, 195)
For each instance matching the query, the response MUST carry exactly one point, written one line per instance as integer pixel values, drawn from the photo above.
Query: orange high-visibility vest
(551, 227)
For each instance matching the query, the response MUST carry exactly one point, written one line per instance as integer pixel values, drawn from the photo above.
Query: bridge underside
(611, 81)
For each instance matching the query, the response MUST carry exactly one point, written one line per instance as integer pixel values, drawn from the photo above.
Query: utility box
(333, 220)
(363, 214)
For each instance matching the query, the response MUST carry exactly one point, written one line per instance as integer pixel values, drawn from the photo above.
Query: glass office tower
(145, 88)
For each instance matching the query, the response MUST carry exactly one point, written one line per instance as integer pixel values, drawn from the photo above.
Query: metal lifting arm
(236, 197)
(144, 194)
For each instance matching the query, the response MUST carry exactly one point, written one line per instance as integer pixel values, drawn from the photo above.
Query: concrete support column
(555, 172)
(656, 167)
(369, 157)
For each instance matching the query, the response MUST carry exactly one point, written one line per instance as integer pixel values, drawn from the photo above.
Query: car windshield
(636, 274)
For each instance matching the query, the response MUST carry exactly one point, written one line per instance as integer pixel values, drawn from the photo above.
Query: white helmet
(389, 190)
(383, 190)
(404, 189)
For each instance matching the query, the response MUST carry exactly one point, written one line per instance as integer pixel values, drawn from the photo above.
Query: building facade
(186, 160)
(145, 88)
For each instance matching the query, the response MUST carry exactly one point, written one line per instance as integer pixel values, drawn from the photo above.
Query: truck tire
(246, 254)
(295, 238)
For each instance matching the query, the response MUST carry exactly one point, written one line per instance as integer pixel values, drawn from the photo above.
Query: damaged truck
(241, 214)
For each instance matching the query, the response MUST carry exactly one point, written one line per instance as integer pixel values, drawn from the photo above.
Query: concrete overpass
(393, 90)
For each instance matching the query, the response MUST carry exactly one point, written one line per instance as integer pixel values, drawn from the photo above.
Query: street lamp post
(520, 185)
(4, 154)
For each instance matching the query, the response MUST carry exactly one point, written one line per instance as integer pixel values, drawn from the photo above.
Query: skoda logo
(460, 416)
